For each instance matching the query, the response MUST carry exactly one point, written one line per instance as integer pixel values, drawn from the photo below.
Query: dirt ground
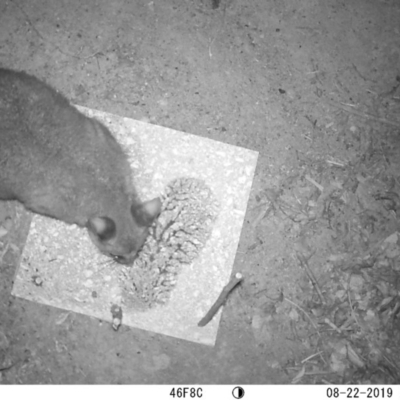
(314, 87)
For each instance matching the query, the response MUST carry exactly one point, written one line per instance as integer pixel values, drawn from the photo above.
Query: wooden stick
(221, 299)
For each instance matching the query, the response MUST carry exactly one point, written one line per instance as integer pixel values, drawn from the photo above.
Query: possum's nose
(125, 260)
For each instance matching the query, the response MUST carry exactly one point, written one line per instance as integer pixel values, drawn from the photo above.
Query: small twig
(28, 20)
(316, 184)
(339, 164)
(393, 312)
(7, 368)
(220, 28)
(268, 206)
(263, 213)
(347, 323)
(332, 325)
(310, 357)
(353, 314)
(363, 114)
(320, 373)
(389, 165)
(311, 276)
(305, 313)
(4, 251)
(221, 299)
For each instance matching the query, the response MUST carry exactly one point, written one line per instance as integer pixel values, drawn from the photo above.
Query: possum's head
(121, 235)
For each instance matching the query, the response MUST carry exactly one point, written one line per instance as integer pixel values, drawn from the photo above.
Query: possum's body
(62, 164)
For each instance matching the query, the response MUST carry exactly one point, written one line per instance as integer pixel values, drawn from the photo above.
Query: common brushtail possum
(62, 164)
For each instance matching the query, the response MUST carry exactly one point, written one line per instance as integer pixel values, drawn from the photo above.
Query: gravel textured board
(60, 266)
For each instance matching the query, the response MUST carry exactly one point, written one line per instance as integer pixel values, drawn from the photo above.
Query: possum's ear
(147, 212)
(103, 227)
